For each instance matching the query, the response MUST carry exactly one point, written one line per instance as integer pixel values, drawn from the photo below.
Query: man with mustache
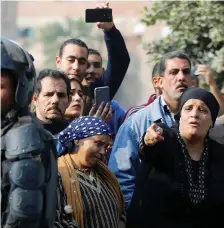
(175, 77)
(51, 98)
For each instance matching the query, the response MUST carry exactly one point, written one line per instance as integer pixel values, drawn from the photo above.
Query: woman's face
(93, 149)
(75, 108)
(195, 119)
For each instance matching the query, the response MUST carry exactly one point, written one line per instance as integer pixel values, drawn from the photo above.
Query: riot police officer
(28, 153)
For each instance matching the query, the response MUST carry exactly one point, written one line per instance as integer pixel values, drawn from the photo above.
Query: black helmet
(20, 62)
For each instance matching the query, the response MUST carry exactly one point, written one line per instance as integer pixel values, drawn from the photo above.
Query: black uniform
(28, 153)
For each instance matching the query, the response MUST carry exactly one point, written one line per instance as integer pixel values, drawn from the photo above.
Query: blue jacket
(124, 160)
(117, 117)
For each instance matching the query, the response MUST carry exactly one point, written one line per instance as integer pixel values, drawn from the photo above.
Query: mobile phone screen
(102, 94)
(98, 15)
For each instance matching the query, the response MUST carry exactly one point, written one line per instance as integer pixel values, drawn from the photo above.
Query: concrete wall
(8, 19)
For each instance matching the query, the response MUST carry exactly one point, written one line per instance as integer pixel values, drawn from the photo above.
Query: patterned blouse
(99, 204)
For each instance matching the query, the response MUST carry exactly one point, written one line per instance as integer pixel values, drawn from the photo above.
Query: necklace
(89, 180)
(86, 177)
(196, 191)
(77, 168)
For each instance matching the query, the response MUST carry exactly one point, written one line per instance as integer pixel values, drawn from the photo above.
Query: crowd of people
(67, 163)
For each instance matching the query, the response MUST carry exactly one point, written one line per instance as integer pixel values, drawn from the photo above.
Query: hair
(155, 70)
(55, 74)
(75, 80)
(171, 55)
(94, 52)
(74, 41)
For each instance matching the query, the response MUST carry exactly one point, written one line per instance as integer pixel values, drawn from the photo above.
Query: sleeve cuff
(111, 31)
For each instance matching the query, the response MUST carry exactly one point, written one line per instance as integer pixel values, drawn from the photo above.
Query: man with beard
(73, 60)
(175, 77)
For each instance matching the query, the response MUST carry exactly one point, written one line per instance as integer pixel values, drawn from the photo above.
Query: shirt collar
(165, 106)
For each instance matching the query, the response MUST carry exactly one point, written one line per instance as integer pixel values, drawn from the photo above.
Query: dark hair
(155, 70)
(74, 41)
(94, 52)
(76, 80)
(52, 74)
(171, 55)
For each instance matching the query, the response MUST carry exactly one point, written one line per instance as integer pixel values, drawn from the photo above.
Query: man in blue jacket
(175, 73)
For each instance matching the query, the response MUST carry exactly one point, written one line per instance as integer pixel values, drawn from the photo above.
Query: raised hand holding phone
(103, 111)
(101, 94)
(102, 15)
(105, 26)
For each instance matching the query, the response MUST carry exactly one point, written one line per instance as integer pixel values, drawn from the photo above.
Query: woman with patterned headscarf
(93, 194)
(181, 183)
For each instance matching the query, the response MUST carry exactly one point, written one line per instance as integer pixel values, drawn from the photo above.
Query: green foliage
(52, 35)
(196, 28)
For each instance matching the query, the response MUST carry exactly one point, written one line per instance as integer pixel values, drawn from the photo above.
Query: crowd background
(35, 23)
(88, 162)
(25, 20)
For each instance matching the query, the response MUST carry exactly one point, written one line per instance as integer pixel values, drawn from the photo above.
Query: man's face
(95, 69)
(52, 100)
(176, 79)
(73, 61)
(7, 92)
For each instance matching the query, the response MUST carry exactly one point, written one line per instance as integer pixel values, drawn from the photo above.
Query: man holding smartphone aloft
(73, 60)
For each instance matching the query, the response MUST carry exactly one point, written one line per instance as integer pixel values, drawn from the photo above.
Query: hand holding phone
(104, 111)
(101, 94)
(102, 15)
(98, 15)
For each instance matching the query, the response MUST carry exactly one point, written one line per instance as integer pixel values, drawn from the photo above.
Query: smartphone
(98, 15)
(101, 94)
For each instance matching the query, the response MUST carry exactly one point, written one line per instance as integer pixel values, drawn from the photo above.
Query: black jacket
(46, 155)
(159, 201)
(117, 65)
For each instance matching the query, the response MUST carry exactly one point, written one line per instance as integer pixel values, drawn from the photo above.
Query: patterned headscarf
(83, 127)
